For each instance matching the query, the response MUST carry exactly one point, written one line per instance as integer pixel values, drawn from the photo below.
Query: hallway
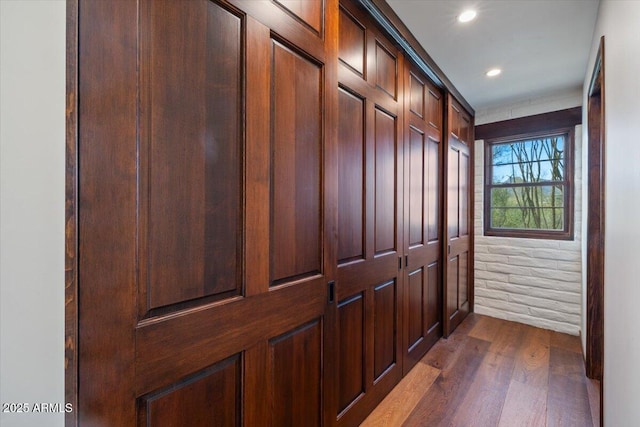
(493, 372)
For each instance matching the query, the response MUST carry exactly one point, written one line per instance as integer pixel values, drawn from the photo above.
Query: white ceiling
(541, 46)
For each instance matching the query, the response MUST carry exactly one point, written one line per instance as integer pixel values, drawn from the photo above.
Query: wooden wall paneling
(422, 305)
(458, 289)
(187, 203)
(191, 153)
(211, 191)
(214, 394)
(106, 213)
(351, 321)
(71, 217)
(296, 369)
(369, 282)
(296, 168)
(352, 42)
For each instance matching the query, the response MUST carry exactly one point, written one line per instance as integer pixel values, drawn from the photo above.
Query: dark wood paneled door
(459, 269)
(206, 212)
(422, 304)
(370, 180)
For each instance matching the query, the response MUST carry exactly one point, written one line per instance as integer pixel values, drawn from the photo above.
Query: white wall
(559, 100)
(618, 21)
(532, 281)
(32, 164)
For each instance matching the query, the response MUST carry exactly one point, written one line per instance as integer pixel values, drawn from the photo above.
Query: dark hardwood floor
(492, 372)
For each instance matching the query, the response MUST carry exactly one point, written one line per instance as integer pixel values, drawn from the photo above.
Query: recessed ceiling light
(493, 72)
(467, 15)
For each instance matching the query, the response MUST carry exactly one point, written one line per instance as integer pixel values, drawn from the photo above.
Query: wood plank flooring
(492, 372)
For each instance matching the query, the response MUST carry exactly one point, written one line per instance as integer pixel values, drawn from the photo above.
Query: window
(529, 186)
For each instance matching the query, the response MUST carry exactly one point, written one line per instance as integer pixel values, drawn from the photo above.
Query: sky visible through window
(527, 184)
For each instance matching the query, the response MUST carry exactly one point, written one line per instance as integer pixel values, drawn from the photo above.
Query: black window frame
(567, 233)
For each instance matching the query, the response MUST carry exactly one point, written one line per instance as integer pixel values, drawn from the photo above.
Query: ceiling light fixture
(467, 15)
(493, 72)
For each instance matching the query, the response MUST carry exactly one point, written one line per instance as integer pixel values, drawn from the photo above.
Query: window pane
(528, 184)
(535, 196)
(542, 171)
(528, 218)
(531, 150)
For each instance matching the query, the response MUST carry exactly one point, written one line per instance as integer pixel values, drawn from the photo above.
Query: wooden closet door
(206, 211)
(422, 305)
(369, 273)
(459, 283)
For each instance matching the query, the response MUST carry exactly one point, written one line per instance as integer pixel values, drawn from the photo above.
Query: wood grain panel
(307, 12)
(384, 335)
(351, 347)
(416, 307)
(204, 334)
(465, 128)
(352, 42)
(296, 145)
(211, 397)
(433, 300)
(417, 189)
(459, 201)
(465, 166)
(463, 279)
(433, 189)
(296, 362)
(107, 203)
(453, 285)
(416, 95)
(386, 70)
(351, 175)
(385, 182)
(434, 109)
(453, 177)
(191, 109)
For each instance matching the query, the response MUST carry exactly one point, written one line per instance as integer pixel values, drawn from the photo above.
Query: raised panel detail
(416, 193)
(465, 128)
(453, 285)
(433, 189)
(352, 42)
(384, 328)
(434, 109)
(463, 288)
(307, 12)
(453, 213)
(351, 147)
(211, 397)
(191, 164)
(433, 301)
(416, 95)
(386, 71)
(296, 359)
(464, 193)
(416, 307)
(296, 161)
(385, 184)
(351, 348)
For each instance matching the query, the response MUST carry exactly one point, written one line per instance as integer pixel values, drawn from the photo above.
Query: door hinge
(399, 263)
(406, 260)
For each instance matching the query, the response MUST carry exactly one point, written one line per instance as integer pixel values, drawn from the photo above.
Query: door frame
(595, 218)
(596, 222)
(71, 216)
